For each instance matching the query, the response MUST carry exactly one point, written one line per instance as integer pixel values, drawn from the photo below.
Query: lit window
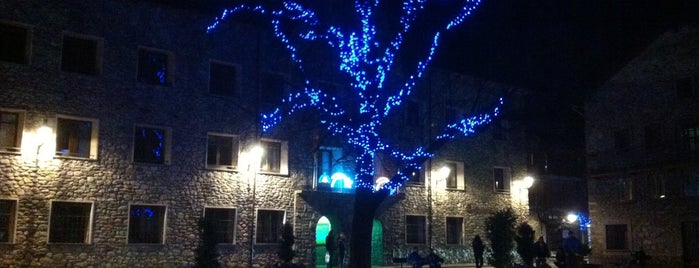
(501, 179)
(450, 173)
(223, 79)
(269, 226)
(146, 224)
(81, 55)
(155, 67)
(222, 222)
(222, 151)
(415, 229)
(70, 222)
(11, 124)
(76, 137)
(616, 236)
(274, 158)
(8, 210)
(14, 43)
(151, 145)
(328, 165)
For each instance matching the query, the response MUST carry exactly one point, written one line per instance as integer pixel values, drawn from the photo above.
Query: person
(542, 252)
(330, 247)
(478, 249)
(560, 257)
(341, 249)
(573, 251)
(414, 258)
(434, 260)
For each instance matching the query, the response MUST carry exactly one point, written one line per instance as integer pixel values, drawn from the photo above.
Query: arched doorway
(322, 229)
(376, 243)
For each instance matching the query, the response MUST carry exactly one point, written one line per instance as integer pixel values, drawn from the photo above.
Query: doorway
(322, 228)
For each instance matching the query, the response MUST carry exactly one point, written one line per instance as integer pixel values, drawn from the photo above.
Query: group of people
(333, 246)
(431, 259)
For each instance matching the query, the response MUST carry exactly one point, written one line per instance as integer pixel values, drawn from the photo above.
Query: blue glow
(368, 62)
(340, 180)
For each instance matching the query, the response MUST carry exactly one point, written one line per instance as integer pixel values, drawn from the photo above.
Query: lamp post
(442, 175)
(254, 158)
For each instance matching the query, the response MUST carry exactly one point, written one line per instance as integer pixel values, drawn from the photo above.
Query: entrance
(377, 243)
(322, 229)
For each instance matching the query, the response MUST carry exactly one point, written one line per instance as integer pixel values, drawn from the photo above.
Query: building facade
(124, 124)
(642, 156)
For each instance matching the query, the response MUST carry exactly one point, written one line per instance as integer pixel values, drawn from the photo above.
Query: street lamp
(254, 157)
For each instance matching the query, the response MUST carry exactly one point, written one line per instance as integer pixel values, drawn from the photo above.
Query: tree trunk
(365, 206)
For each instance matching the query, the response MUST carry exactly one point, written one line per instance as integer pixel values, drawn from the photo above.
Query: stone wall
(623, 185)
(112, 181)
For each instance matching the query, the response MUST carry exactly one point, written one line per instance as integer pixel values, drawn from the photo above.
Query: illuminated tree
(367, 56)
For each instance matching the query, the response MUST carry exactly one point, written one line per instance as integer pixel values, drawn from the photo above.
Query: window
(626, 188)
(329, 160)
(658, 185)
(455, 231)
(622, 140)
(14, 43)
(70, 222)
(146, 224)
(616, 236)
(223, 79)
(155, 67)
(691, 136)
(274, 158)
(450, 173)
(691, 184)
(501, 179)
(652, 137)
(272, 88)
(76, 137)
(222, 151)
(11, 124)
(269, 226)
(81, 55)
(222, 222)
(8, 212)
(415, 229)
(151, 145)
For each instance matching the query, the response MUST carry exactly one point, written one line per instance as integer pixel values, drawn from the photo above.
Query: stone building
(642, 156)
(124, 124)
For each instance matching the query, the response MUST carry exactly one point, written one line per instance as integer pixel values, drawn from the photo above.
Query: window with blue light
(224, 79)
(154, 67)
(269, 226)
(81, 55)
(222, 151)
(70, 222)
(146, 224)
(222, 222)
(15, 43)
(151, 145)
(76, 137)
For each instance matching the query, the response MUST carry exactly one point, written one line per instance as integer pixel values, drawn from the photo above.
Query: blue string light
(363, 58)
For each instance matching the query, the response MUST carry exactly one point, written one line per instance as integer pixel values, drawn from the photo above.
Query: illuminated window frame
(216, 154)
(67, 135)
(501, 179)
(16, 127)
(275, 157)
